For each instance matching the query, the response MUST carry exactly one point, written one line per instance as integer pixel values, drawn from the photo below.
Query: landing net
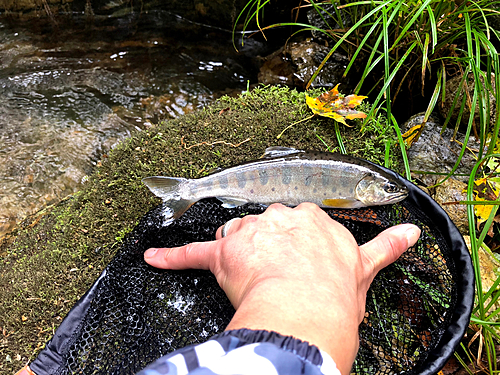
(417, 309)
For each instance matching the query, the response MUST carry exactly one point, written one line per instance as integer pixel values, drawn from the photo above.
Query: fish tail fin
(167, 188)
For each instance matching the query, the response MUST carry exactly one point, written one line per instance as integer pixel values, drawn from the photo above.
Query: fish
(288, 176)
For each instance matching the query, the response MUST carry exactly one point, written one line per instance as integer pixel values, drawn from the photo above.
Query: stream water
(69, 92)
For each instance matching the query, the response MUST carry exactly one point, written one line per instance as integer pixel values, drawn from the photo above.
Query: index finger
(196, 255)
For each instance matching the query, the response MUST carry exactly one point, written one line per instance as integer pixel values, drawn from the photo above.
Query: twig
(296, 122)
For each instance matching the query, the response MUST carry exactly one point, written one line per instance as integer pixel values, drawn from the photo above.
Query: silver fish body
(288, 176)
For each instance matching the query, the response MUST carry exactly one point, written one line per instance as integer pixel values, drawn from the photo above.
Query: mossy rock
(54, 256)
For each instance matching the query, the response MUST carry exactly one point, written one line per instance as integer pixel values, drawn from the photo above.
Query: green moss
(55, 255)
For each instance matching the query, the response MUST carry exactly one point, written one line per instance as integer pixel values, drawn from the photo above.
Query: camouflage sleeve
(246, 351)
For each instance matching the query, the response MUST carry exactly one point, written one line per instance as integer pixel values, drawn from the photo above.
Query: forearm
(269, 307)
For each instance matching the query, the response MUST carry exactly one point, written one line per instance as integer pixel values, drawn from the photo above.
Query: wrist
(333, 330)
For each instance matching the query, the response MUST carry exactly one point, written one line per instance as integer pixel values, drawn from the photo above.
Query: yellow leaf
(482, 211)
(329, 96)
(492, 189)
(334, 105)
(353, 100)
(413, 134)
(356, 114)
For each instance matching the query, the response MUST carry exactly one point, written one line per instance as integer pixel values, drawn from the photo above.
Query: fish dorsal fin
(274, 151)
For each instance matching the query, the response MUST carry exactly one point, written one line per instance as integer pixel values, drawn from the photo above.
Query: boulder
(295, 64)
(453, 86)
(437, 151)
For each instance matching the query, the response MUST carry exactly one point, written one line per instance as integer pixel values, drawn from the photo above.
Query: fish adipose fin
(342, 203)
(167, 188)
(230, 202)
(274, 151)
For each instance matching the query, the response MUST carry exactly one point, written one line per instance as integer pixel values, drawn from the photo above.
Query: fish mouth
(398, 196)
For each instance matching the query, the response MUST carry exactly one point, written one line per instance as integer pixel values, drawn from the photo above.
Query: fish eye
(391, 187)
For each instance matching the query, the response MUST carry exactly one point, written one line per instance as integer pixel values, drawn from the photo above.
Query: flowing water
(69, 92)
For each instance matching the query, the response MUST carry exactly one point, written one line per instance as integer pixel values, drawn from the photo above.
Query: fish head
(377, 189)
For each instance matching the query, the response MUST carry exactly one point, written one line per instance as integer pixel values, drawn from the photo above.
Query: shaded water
(69, 93)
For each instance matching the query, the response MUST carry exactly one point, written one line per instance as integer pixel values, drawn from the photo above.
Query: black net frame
(417, 309)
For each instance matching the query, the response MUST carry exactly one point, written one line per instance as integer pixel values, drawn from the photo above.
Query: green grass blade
(473, 240)
(320, 11)
(435, 96)
(248, 4)
(412, 20)
(425, 60)
(387, 66)
(341, 40)
(403, 148)
(391, 76)
(360, 47)
(484, 322)
(434, 34)
(339, 139)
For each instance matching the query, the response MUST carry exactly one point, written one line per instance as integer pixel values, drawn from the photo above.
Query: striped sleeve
(246, 352)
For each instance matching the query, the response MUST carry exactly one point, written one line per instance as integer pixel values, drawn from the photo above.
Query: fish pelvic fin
(342, 203)
(231, 202)
(168, 189)
(175, 208)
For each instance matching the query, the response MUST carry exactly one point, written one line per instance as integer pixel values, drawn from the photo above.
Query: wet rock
(449, 192)
(317, 19)
(438, 153)
(296, 64)
(452, 87)
(277, 69)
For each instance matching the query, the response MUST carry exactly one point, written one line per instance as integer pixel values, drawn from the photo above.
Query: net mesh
(138, 313)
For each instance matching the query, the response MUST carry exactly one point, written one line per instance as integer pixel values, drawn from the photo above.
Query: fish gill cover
(417, 309)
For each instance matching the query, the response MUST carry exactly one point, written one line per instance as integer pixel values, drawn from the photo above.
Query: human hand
(294, 271)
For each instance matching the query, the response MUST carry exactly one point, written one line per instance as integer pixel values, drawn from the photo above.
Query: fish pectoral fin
(274, 151)
(342, 203)
(231, 202)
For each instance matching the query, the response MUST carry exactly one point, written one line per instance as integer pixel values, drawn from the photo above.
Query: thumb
(388, 246)
(196, 255)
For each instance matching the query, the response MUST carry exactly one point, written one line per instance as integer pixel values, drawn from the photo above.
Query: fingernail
(412, 234)
(150, 253)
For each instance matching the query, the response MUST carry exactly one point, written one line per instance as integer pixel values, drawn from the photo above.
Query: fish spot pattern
(223, 182)
(242, 181)
(308, 172)
(208, 184)
(287, 175)
(263, 176)
(325, 179)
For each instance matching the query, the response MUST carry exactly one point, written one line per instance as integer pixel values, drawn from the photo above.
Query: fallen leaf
(413, 134)
(489, 190)
(334, 105)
